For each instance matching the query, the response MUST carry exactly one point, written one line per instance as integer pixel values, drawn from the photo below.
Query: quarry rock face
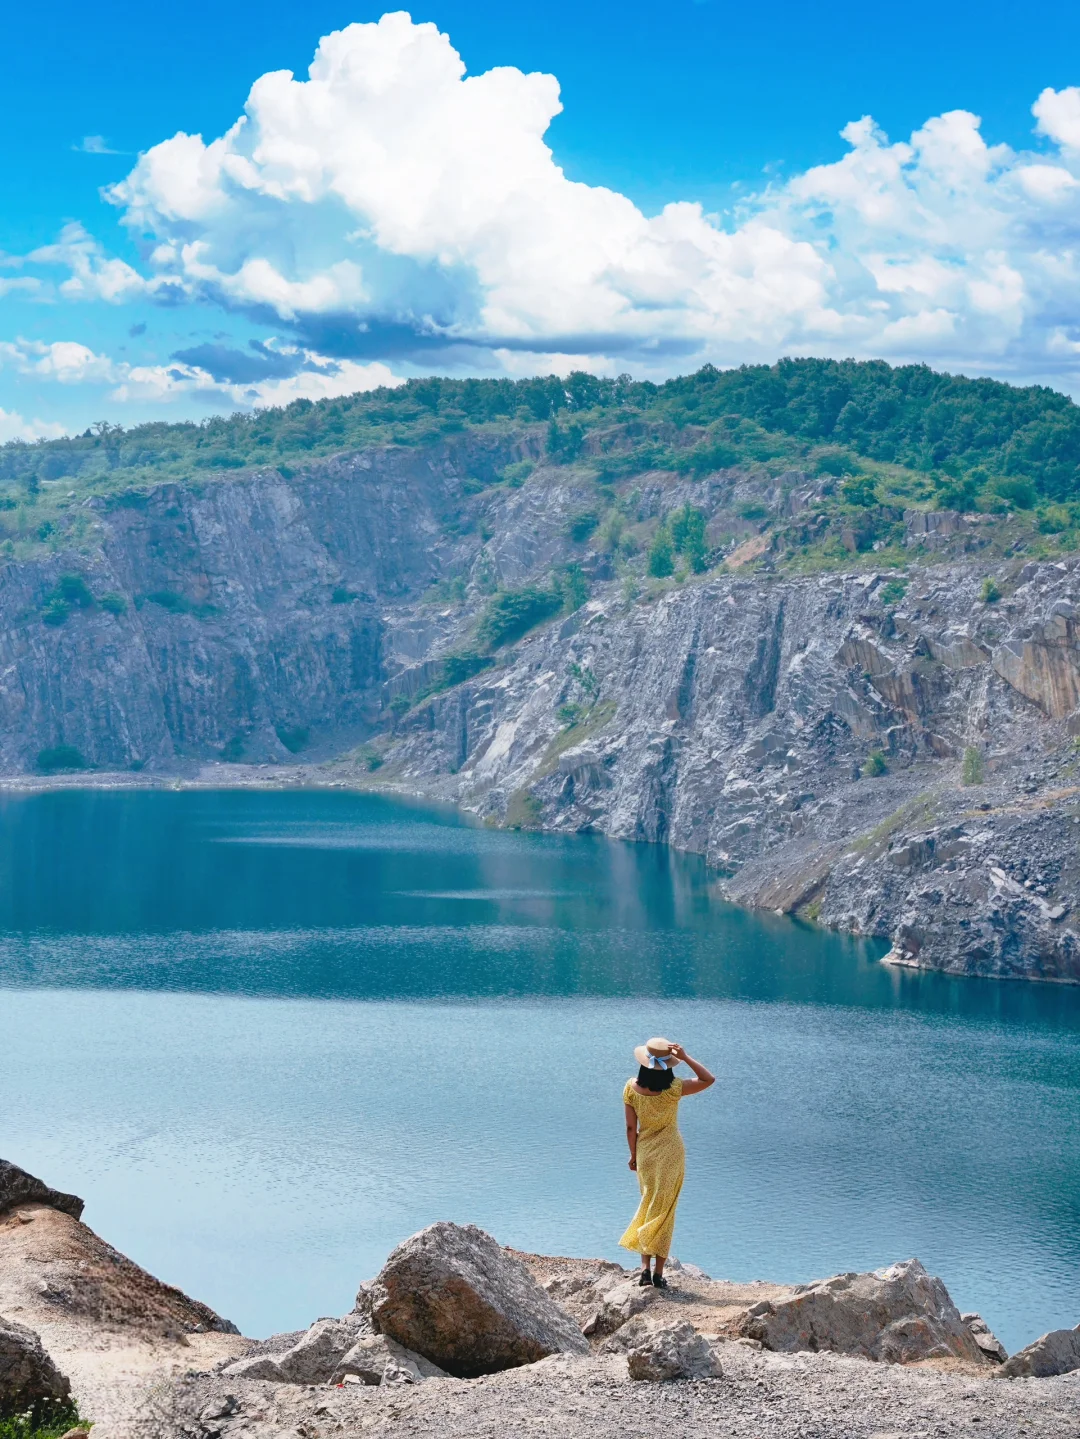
(894, 759)
(898, 1315)
(453, 1295)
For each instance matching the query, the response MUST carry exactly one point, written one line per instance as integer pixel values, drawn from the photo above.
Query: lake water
(267, 1035)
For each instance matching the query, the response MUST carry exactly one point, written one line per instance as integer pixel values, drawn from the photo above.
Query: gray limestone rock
(28, 1377)
(985, 1338)
(311, 1359)
(615, 1307)
(1055, 1353)
(18, 1187)
(452, 1294)
(899, 1315)
(677, 1351)
(376, 1359)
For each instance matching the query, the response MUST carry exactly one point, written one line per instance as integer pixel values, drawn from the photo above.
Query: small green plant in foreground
(971, 771)
(51, 1423)
(875, 765)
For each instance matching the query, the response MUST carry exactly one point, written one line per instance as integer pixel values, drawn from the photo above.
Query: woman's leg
(658, 1265)
(646, 1259)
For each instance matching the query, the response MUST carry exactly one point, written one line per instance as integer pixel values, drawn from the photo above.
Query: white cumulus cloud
(14, 427)
(390, 205)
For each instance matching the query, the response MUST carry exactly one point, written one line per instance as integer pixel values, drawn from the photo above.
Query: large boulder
(310, 1359)
(677, 1351)
(452, 1294)
(376, 1359)
(18, 1187)
(1055, 1353)
(899, 1315)
(28, 1377)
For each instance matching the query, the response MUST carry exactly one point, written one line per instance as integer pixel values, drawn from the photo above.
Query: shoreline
(271, 777)
(886, 1352)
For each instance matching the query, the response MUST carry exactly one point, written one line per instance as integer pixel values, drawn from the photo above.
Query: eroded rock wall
(738, 715)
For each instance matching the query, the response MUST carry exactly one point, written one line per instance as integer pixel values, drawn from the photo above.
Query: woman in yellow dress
(657, 1153)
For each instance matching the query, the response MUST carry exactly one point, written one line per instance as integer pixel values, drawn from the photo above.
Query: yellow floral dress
(661, 1164)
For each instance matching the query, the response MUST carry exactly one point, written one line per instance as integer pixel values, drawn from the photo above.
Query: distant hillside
(903, 437)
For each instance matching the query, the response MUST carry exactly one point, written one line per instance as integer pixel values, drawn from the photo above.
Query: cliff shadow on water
(336, 895)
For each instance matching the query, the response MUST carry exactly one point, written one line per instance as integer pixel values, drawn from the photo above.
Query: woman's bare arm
(703, 1076)
(631, 1133)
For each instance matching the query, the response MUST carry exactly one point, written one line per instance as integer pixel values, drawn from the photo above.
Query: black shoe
(645, 1280)
(659, 1282)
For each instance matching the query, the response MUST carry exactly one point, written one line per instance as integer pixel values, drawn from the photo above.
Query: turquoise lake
(267, 1035)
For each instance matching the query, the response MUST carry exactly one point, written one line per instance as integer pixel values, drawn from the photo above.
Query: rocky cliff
(888, 752)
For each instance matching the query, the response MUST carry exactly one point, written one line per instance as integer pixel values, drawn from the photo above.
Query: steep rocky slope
(809, 733)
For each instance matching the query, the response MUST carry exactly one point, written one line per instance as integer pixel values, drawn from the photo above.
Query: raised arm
(703, 1078)
(631, 1133)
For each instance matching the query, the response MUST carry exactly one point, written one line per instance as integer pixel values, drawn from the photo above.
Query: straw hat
(655, 1053)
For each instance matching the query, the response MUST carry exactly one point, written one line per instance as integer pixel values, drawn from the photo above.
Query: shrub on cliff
(688, 536)
(510, 613)
(972, 769)
(662, 554)
(59, 757)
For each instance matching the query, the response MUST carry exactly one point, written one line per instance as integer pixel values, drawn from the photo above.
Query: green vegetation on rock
(50, 1422)
(879, 439)
(60, 757)
(971, 771)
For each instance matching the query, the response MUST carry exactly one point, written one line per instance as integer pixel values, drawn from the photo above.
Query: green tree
(688, 536)
(661, 554)
(972, 769)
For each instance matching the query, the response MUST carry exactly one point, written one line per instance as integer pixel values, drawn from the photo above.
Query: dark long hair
(655, 1079)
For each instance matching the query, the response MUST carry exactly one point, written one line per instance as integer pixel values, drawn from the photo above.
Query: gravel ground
(761, 1396)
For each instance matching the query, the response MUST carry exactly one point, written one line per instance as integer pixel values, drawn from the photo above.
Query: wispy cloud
(275, 374)
(96, 145)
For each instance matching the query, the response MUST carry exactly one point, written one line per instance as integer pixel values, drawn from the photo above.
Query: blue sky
(692, 199)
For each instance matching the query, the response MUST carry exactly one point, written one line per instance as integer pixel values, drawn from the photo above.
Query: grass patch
(523, 810)
(593, 721)
(919, 810)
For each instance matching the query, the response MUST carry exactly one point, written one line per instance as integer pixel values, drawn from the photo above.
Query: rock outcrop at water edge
(452, 1294)
(900, 1315)
(18, 1187)
(1055, 1353)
